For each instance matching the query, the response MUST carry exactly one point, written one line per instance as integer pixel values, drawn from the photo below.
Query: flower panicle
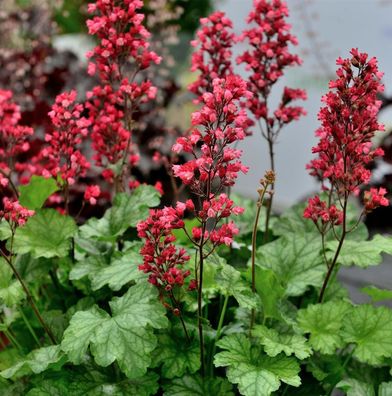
(348, 125)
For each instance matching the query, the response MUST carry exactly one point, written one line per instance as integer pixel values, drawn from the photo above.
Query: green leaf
(127, 211)
(296, 261)
(67, 383)
(361, 253)
(293, 222)
(39, 189)
(269, 289)
(122, 270)
(196, 386)
(245, 221)
(229, 283)
(377, 294)
(5, 230)
(115, 272)
(385, 389)
(289, 343)
(89, 266)
(353, 387)
(126, 336)
(324, 323)
(46, 234)
(370, 329)
(177, 356)
(255, 373)
(11, 292)
(36, 362)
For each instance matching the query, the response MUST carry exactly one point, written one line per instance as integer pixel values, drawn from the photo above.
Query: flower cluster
(91, 194)
(268, 56)
(348, 124)
(318, 210)
(374, 198)
(14, 213)
(215, 165)
(112, 104)
(215, 209)
(119, 27)
(13, 137)
(70, 128)
(109, 136)
(162, 260)
(223, 123)
(212, 59)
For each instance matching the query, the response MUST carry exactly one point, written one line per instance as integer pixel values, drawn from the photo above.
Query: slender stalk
(2, 344)
(175, 303)
(200, 303)
(30, 328)
(220, 323)
(268, 180)
(13, 340)
(254, 240)
(335, 258)
(10, 182)
(270, 140)
(29, 298)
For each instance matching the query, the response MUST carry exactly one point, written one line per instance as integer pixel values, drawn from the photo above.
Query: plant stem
(30, 328)
(13, 340)
(29, 298)
(175, 302)
(272, 166)
(220, 324)
(2, 344)
(200, 303)
(254, 240)
(334, 261)
(10, 182)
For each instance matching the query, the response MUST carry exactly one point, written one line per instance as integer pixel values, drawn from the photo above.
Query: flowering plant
(214, 294)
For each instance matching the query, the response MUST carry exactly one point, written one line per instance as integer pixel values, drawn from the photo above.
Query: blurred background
(42, 52)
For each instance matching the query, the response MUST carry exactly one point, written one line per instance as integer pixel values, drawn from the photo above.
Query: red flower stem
(12, 185)
(176, 304)
(334, 261)
(200, 300)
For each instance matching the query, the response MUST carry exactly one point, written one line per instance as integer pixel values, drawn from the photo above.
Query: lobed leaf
(36, 362)
(177, 356)
(296, 260)
(126, 336)
(361, 253)
(255, 373)
(324, 323)
(289, 343)
(46, 234)
(370, 329)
